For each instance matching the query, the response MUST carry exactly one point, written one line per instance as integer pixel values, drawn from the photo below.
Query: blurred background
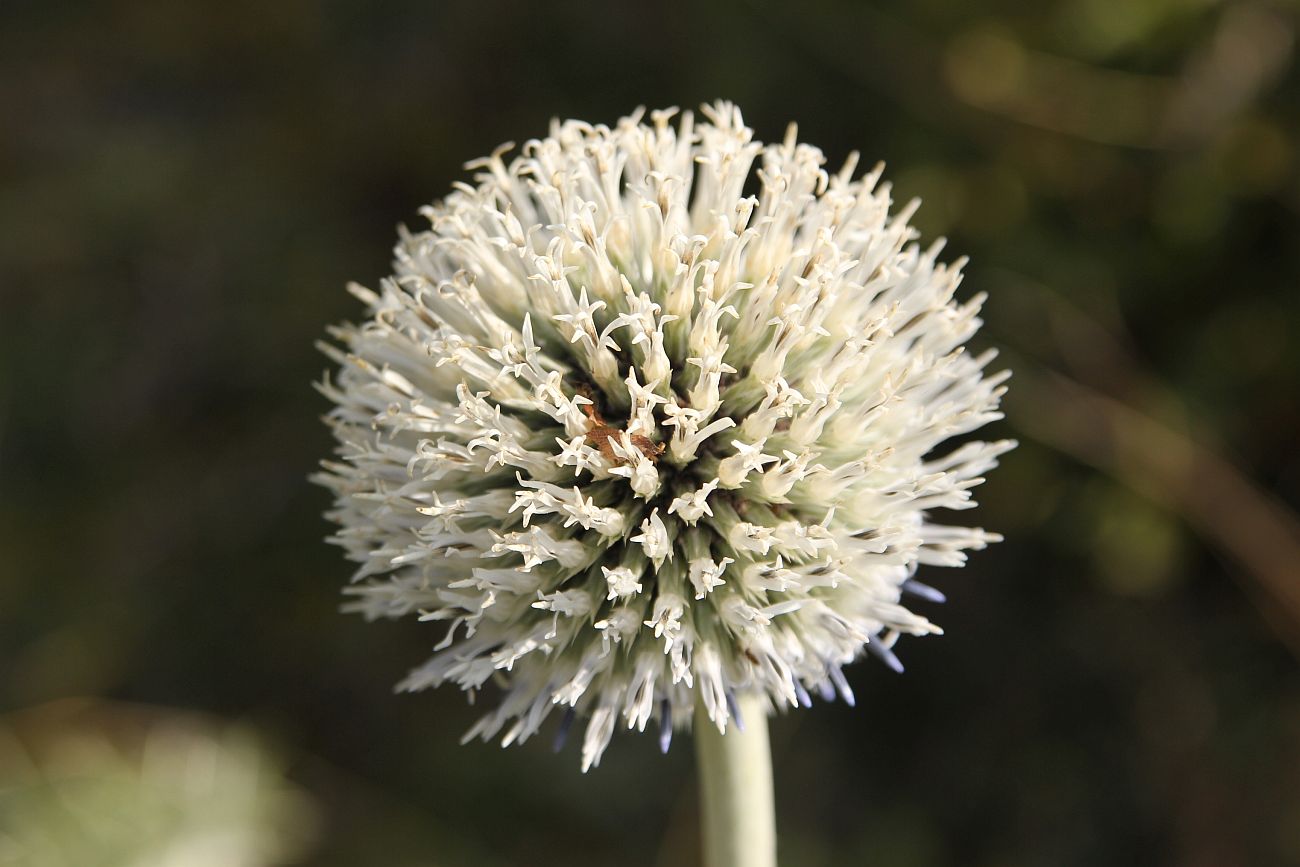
(185, 188)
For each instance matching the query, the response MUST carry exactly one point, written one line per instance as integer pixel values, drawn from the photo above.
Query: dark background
(185, 188)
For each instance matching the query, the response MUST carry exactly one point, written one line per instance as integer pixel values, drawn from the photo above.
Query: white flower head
(632, 432)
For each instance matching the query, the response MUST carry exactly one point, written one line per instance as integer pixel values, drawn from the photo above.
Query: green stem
(739, 818)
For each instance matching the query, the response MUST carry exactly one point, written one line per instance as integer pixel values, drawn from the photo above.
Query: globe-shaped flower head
(642, 438)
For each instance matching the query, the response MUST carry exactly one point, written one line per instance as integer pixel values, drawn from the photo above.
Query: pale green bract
(640, 438)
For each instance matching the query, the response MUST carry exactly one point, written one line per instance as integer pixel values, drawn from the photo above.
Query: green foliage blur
(185, 188)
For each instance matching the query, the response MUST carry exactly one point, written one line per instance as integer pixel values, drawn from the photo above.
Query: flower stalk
(738, 822)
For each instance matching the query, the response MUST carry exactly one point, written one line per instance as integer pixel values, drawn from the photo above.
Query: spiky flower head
(643, 439)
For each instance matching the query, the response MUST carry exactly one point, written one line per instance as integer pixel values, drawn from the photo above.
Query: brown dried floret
(603, 436)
